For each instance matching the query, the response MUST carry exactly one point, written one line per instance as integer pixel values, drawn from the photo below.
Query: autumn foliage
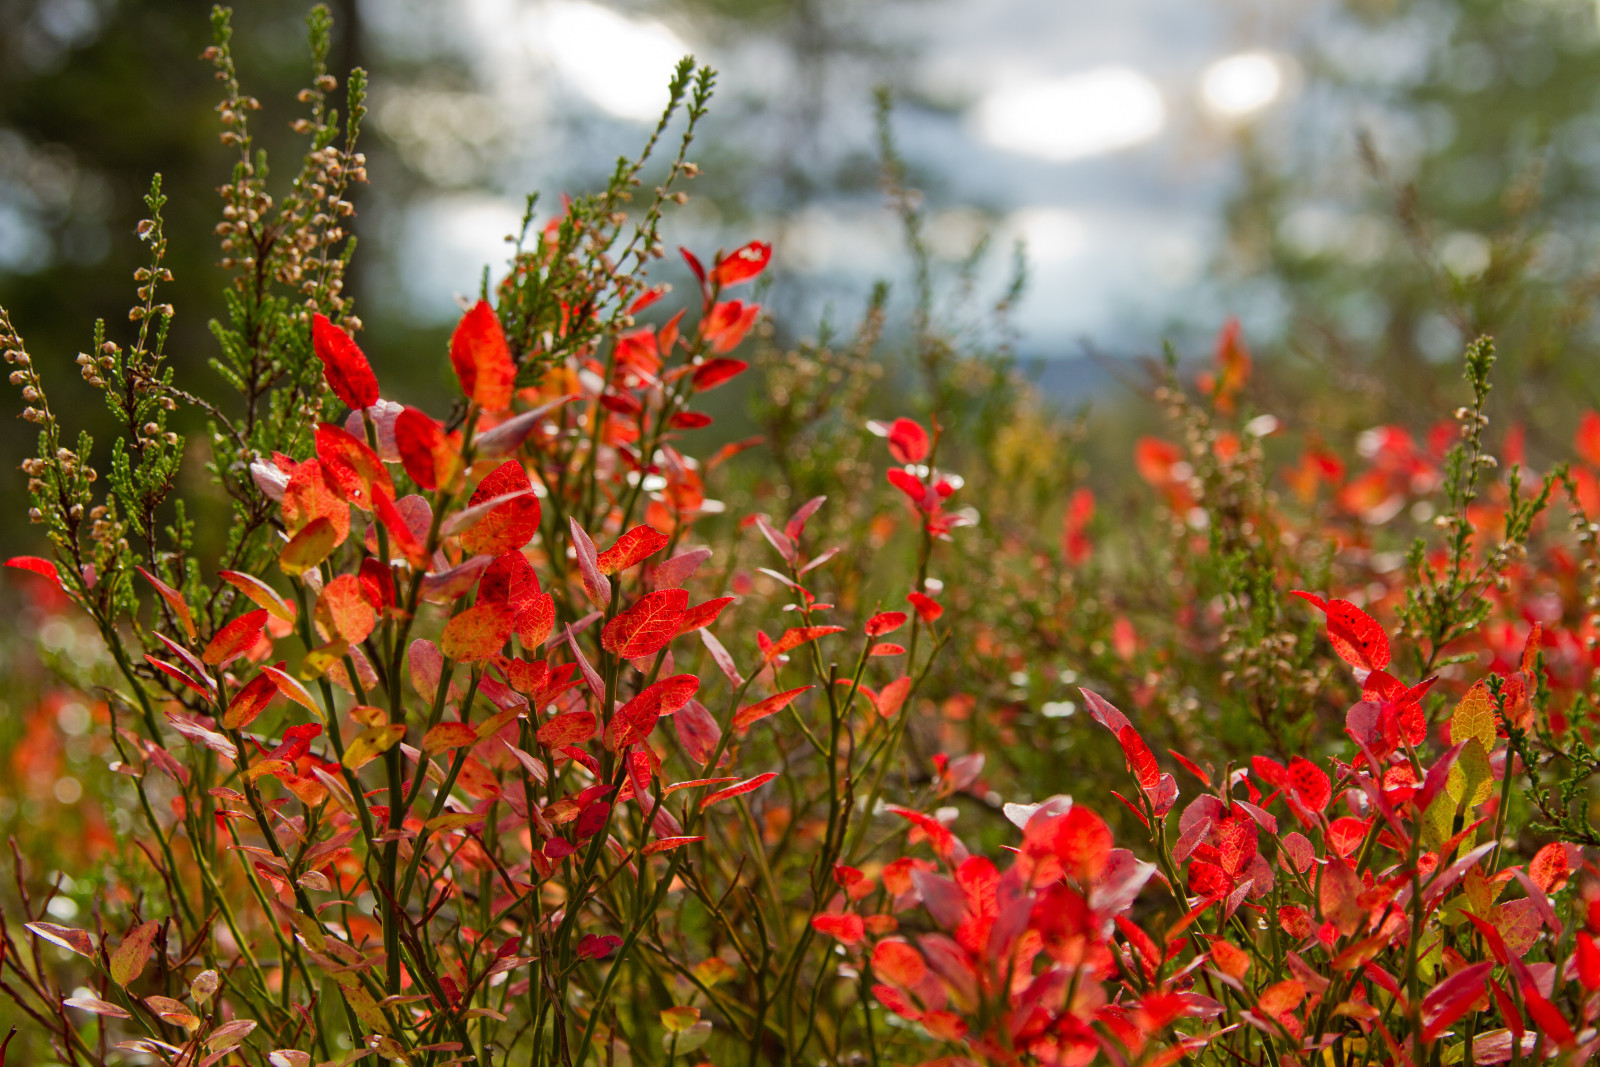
(488, 733)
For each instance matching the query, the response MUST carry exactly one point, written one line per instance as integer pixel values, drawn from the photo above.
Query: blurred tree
(95, 97)
(1435, 179)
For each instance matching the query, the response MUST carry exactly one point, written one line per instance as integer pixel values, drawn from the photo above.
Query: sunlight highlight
(1241, 85)
(1088, 114)
(621, 64)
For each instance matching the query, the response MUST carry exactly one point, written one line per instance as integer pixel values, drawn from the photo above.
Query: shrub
(391, 776)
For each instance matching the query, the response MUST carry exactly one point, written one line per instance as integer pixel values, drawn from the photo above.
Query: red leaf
(568, 728)
(1310, 782)
(634, 720)
(174, 599)
(726, 326)
(250, 702)
(234, 639)
(343, 364)
(689, 420)
(1082, 844)
(1588, 958)
(509, 526)
(477, 633)
(178, 675)
(482, 358)
(909, 484)
(419, 440)
(598, 947)
(885, 622)
(309, 496)
(746, 786)
(535, 624)
(1355, 635)
(1339, 897)
(846, 927)
(1549, 867)
(596, 586)
(715, 372)
(636, 545)
(908, 441)
(694, 264)
(1140, 759)
(927, 608)
(1586, 441)
(698, 732)
(741, 264)
(702, 615)
(663, 844)
(510, 580)
(353, 466)
(648, 626)
(38, 566)
(1546, 1017)
(762, 708)
(401, 536)
(796, 636)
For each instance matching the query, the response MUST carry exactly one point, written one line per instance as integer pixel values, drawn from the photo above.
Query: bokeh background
(1364, 183)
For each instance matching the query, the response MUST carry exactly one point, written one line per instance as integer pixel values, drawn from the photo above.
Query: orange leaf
(893, 697)
(448, 735)
(482, 358)
(345, 610)
(129, 960)
(174, 599)
(234, 639)
(899, 963)
(343, 364)
(291, 688)
(260, 592)
(509, 526)
(637, 544)
(477, 633)
(666, 844)
(648, 626)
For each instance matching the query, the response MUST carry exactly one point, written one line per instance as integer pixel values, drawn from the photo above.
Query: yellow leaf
(318, 660)
(680, 1018)
(313, 544)
(1474, 717)
(372, 743)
